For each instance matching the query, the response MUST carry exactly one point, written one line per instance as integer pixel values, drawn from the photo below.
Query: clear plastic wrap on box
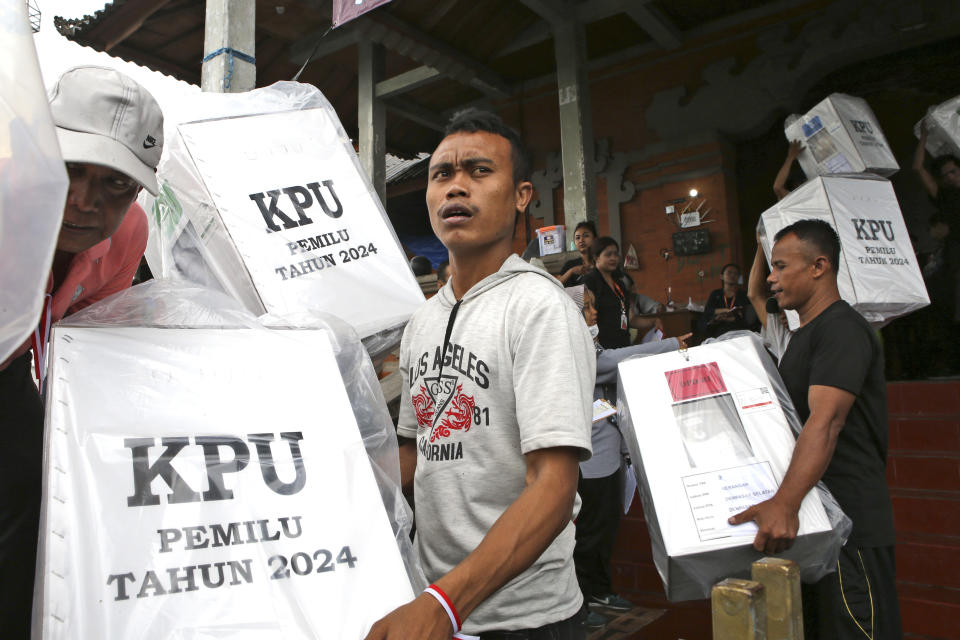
(263, 197)
(164, 400)
(33, 181)
(943, 128)
(841, 135)
(711, 431)
(878, 273)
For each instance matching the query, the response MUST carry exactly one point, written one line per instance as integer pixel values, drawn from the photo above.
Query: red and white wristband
(447, 605)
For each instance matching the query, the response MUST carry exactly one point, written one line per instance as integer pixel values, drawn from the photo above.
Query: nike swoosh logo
(149, 143)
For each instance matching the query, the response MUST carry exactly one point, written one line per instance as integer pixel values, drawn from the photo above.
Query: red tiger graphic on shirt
(424, 407)
(458, 416)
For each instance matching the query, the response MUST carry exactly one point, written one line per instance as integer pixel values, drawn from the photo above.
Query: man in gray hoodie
(498, 370)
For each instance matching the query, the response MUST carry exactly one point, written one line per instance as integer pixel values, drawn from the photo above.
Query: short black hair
(443, 270)
(731, 264)
(817, 233)
(588, 225)
(603, 242)
(473, 120)
(937, 164)
(421, 266)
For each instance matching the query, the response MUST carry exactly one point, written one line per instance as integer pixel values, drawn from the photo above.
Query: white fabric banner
(208, 484)
(33, 181)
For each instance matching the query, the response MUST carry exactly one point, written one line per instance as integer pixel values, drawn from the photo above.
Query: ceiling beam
(550, 10)
(407, 81)
(124, 21)
(415, 113)
(540, 31)
(650, 20)
(322, 43)
(407, 40)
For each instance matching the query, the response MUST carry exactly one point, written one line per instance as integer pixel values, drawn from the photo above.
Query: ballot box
(212, 482)
(943, 128)
(711, 431)
(878, 272)
(274, 209)
(841, 135)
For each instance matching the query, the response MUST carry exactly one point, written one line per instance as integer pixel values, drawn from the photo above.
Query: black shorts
(858, 600)
(570, 629)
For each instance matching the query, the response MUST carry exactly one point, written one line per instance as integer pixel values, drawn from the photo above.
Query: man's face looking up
(471, 195)
(97, 200)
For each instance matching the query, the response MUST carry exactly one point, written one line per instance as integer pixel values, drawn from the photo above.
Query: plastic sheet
(33, 181)
(943, 128)
(878, 272)
(711, 431)
(263, 197)
(841, 135)
(167, 360)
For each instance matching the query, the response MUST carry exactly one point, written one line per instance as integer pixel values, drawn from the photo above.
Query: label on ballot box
(204, 483)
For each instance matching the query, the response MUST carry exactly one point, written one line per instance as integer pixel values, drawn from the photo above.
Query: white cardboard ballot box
(208, 483)
(878, 272)
(841, 135)
(273, 209)
(943, 128)
(709, 437)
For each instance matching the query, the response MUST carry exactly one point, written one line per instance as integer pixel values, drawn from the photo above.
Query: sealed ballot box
(274, 209)
(214, 483)
(841, 135)
(943, 128)
(711, 433)
(878, 274)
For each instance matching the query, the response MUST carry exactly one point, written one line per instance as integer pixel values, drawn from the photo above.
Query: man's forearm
(756, 285)
(519, 536)
(811, 456)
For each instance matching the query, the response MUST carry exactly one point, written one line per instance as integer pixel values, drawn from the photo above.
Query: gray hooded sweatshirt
(516, 375)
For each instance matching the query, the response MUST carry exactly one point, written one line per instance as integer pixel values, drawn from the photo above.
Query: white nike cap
(104, 117)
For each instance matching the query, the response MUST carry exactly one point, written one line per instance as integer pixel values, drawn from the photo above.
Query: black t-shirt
(576, 278)
(609, 310)
(839, 349)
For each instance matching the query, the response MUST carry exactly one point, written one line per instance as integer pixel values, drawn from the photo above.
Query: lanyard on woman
(623, 307)
(733, 300)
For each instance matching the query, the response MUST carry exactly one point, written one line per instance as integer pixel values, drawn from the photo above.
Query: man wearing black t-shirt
(833, 370)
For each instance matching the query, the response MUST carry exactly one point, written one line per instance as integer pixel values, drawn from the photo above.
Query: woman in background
(573, 271)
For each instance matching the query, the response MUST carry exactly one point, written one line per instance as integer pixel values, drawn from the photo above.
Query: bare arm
(514, 542)
(777, 517)
(408, 463)
(779, 183)
(919, 155)
(757, 284)
(572, 271)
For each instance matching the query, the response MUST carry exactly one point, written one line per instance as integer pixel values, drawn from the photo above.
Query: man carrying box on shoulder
(498, 373)
(110, 131)
(833, 371)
